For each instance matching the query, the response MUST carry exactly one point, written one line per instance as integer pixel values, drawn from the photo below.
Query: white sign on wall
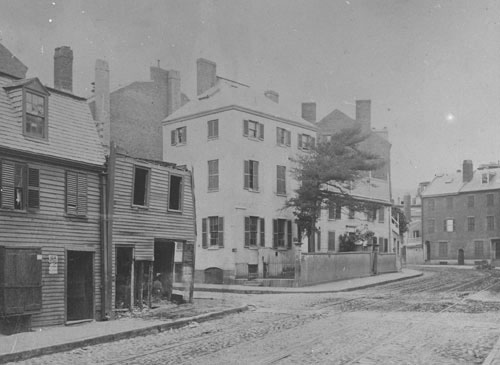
(52, 264)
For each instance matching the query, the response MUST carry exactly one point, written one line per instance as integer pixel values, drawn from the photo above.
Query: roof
(10, 64)
(72, 133)
(449, 184)
(227, 95)
(372, 189)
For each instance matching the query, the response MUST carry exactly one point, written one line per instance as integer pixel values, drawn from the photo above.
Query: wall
(386, 262)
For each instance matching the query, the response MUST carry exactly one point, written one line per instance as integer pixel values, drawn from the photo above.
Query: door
(163, 266)
(123, 281)
(79, 285)
(461, 258)
(427, 251)
(496, 249)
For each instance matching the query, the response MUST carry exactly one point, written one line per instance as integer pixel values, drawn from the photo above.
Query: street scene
(249, 182)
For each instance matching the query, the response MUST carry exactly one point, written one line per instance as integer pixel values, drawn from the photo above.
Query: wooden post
(141, 282)
(150, 283)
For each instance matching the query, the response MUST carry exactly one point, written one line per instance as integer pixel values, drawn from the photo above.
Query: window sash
(471, 224)
(251, 175)
(213, 128)
(35, 115)
(281, 179)
(76, 193)
(213, 175)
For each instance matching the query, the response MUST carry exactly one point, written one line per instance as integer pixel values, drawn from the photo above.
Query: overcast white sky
(430, 67)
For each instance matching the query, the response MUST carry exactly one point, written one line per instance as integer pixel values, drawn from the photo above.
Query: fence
(279, 271)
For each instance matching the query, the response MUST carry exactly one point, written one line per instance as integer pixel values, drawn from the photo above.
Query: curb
(23, 355)
(256, 291)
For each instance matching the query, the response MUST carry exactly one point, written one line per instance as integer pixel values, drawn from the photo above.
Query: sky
(431, 68)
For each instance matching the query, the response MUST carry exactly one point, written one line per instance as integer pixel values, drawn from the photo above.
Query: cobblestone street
(447, 316)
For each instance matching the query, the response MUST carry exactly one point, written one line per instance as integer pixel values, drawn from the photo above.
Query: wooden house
(51, 165)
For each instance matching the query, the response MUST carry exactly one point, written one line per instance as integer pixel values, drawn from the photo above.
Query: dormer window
(35, 114)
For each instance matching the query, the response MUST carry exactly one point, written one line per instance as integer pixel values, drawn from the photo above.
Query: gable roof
(72, 133)
(10, 64)
(227, 95)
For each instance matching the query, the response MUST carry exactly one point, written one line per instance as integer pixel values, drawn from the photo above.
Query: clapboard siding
(51, 229)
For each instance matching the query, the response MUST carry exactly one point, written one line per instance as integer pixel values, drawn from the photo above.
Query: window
(20, 186)
(35, 116)
(334, 211)
(371, 214)
(305, 142)
(449, 225)
(178, 136)
(443, 249)
(449, 202)
(283, 137)
(175, 193)
(487, 177)
(253, 129)
(430, 226)
(141, 186)
(416, 234)
(254, 232)
(351, 213)
(431, 204)
(251, 175)
(212, 232)
(381, 213)
(490, 200)
(331, 240)
(213, 175)
(381, 244)
(213, 129)
(470, 201)
(471, 224)
(490, 223)
(76, 193)
(282, 233)
(281, 180)
(478, 249)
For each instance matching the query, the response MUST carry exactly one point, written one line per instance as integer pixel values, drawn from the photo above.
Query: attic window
(35, 114)
(487, 177)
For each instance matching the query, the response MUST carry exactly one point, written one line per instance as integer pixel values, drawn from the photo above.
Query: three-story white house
(240, 144)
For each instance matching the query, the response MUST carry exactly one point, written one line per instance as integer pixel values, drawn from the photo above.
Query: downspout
(191, 285)
(104, 242)
(108, 254)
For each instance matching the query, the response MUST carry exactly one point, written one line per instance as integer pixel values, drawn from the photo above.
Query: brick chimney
(407, 206)
(467, 171)
(101, 95)
(63, 69)
(272, 95)
(363, 114)
(309, 112)
(168, 86)
(206, 75)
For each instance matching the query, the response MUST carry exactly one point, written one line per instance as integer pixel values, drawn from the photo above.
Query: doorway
(461, 257)
(427, 251)
(124, 274)
(80, 285)
(163, 265)
(496, 249)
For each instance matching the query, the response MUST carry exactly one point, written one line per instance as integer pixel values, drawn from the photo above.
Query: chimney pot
(63, 69)
(206, 75)
(363, 114)
(309, 112)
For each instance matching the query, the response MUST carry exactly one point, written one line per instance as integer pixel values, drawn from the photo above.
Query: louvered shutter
(245, 128)
(7, 190)
(33, 188)
(82, 194)
(204, 242)
(255, 175)
(185, 134)
(221, 231)
(299, 141)
(289, 233)
(71, 192)
(173, 136)
(261, 131)
(216, 128)
(275, 233)
(247, 231)
(262, 232)
(288, 138)
(278, 136)
(246, 174)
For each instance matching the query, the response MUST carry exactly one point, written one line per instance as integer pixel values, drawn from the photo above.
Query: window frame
(251, 175)
(213, 176)
(258, 223)
(147, 186)
(305, 142)
(259, 130)
(209, 235)
(213, 129)
(283, 137)
(45, 128)
(490, 223)
(27, 189)
(471, 224)
(81, 202)
(490, 200)
(181, 192)
(449, 222)
(282, 234)
(281, 180)
(479, 253)
(174, 136)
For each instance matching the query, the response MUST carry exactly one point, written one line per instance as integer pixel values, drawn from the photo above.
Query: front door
(461, 257)
(80, 285)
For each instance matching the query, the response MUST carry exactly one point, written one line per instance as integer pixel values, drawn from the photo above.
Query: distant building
(460, 216)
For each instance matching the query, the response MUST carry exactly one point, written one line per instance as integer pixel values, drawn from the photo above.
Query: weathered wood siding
(54, 232)
(139, 226)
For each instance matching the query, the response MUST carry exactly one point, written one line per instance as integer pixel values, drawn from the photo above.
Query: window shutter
(216, 128)
(319, 240)
(204, 242)
(71, 192)
(275, 233)
(185, 134)
(261, 131)
(246, 174)
(331, 241)
(299, 140)
(444, 225)
(288, 138)
(247, 231)
(82, 194)
(256, 175)
(221, 231)
(262, 232)
(173, 135)
(245, 128)
(453, 225)
(7, 190)
(289, 233)
(313, 142)
(278, 135)
(33, 188)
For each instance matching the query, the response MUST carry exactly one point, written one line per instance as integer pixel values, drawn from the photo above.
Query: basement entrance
(163, 266)
(80, 285)
(123, 283)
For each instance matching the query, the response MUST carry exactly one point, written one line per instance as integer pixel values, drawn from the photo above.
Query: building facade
(460, 216)
(52, 164)
(240, 144)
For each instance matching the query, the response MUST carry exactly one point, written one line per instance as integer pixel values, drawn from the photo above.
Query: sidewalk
(64, 338)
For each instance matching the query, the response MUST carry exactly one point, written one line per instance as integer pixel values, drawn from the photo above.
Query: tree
(327, 174)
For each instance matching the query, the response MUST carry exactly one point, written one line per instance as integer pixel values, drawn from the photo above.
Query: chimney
(101, 95)
(272, 95)
(309, 112)
(467, 171)
(173, 91)
(168, 89)
(363, 114)
(206, 75)
(407, 206)
(63, 69)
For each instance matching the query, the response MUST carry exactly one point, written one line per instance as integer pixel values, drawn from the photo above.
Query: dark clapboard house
(51, 162)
